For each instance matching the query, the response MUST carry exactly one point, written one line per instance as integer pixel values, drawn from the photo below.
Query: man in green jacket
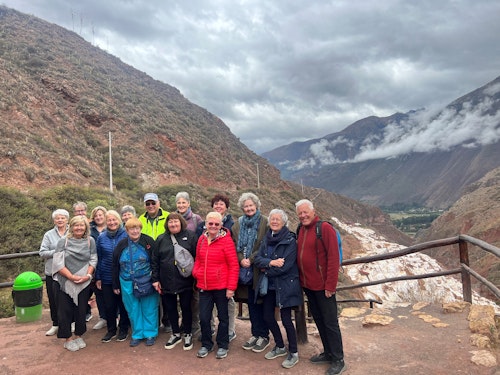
(154, 219)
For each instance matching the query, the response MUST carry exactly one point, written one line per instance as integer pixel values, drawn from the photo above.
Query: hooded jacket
(216, 264)
(286, 279)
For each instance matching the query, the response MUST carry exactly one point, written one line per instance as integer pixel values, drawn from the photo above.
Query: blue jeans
(259, 327)
(209, 298)
(269, 305)
(324, 312)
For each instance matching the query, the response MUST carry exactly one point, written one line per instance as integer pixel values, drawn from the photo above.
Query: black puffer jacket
(163, 265)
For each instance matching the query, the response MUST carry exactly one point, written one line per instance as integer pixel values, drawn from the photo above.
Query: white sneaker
(101, 323)
(81, 343)
(52, 331)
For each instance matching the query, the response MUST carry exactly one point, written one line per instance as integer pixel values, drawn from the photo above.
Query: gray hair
(249, 196)
(78, 204)
(128, 208)
(60, 211)
(304, 201)
(182, 195)
(277, 211)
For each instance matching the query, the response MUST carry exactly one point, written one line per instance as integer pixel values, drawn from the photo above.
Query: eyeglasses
(150, 204)
(213, 224)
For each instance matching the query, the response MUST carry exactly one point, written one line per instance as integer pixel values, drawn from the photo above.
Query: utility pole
(258, 177)
(110, 166)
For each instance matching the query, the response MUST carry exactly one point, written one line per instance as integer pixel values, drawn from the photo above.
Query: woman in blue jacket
(277, 260)
(112, 299)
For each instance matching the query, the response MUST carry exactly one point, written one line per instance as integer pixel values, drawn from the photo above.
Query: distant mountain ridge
(423, 156)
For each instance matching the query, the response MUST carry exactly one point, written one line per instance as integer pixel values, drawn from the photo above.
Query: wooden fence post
(300, 324)
(466, 281)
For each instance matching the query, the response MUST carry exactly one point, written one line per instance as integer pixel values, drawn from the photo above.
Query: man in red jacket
(318, 263)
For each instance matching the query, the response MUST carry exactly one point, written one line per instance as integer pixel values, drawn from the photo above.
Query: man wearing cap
(153, 220)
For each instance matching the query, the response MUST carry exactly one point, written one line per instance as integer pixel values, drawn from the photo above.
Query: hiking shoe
(261, 344)
(173, 341)
(276, 352)
(250, 343)
(88, 316)
(72, 346)
(221, 353)
(108, 336)
(232, 336)
(150, 341)
(134, 343)
(122, 336)
(321, 358)
(52, 331)
(203, 352)
(337, 367)
(291, 360)
(188, 342)
(81, 344)
(101, 323)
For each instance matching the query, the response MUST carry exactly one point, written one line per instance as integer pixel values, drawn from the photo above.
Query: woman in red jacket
(216, 272)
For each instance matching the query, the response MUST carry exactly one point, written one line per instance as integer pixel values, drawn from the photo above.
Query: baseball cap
(151, 197)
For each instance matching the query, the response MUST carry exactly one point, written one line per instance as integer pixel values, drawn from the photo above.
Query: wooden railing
(464, 269)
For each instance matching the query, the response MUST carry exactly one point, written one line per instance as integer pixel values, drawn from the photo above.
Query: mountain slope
(61, 97)
(424, 157)
(476, 213)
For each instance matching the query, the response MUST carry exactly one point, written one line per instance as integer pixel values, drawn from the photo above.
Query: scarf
(249, 227)
(187, 215)
(274, 238)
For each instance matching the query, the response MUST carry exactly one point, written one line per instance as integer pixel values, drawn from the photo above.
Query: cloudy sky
(279, 71)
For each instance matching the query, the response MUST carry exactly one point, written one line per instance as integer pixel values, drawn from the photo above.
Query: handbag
(246, 275)
(141, 285)
(184, 261)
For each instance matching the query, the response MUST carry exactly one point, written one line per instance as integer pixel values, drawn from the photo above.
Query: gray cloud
(283, 71)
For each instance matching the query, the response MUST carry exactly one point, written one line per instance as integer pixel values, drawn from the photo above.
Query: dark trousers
(324, 312)
(209, 298)
(52, 296)
(112, 304)
(259, 327)
(173, 314)
(99, 300)
(269, 305)
(67, 312)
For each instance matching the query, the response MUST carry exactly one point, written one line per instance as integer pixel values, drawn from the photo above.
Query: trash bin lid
(27, 280)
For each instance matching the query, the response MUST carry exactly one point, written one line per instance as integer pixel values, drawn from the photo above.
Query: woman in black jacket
(169, 282)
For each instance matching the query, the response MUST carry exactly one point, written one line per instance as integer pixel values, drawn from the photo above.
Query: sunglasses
(213, 224)
(150, 204)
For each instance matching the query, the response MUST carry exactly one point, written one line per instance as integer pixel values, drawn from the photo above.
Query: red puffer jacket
(216, 265)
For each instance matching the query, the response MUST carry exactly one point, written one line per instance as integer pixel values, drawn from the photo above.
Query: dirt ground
(406, 346)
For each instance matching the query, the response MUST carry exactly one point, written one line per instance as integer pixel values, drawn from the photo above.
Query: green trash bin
(27, 295)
